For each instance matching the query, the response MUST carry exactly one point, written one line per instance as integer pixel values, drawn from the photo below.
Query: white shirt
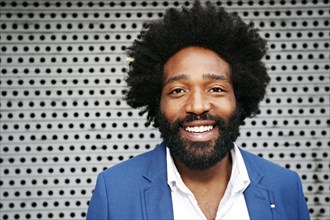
(232, 205)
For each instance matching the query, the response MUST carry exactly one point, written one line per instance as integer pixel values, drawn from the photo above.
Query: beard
(200, 155)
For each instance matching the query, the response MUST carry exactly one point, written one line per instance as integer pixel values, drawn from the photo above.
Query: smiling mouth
(199, 129)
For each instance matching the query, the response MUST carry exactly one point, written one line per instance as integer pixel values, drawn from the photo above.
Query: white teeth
(199, 129)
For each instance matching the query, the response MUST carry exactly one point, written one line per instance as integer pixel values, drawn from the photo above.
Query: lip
(198, 123)
(195, 133)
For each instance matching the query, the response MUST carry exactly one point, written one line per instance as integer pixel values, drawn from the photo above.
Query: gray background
(63, 119)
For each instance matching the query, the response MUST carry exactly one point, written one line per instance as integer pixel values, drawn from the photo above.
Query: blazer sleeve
(98, 207)
(303, 209)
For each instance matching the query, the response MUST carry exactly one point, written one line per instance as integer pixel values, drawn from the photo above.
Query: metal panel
(63, 119)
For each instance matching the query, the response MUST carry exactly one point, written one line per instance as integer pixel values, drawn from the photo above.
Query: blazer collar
(259, 199)
(157, 200)
(156, 196)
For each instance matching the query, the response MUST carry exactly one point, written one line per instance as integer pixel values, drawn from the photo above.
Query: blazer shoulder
(135, 166)
(265, 167)
(283, 186)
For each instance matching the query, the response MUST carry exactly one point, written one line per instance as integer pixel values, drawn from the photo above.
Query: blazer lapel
(259, 199)
(158, 202)
(156, 197)
(258, 202)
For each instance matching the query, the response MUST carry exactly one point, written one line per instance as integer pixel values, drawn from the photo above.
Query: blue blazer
(137, 189)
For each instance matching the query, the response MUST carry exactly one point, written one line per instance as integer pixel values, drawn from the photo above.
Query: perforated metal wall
(63, 119)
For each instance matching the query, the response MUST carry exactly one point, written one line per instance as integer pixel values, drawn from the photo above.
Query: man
(198, 74)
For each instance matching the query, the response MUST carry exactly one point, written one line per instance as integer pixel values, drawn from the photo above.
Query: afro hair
(206, 26)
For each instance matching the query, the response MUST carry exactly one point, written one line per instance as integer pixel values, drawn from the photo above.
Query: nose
(197, 103)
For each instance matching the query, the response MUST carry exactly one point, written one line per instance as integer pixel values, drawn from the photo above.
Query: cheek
(225, 107)
(233, 103)
(170, 109)
(231, 106)
(162, 104)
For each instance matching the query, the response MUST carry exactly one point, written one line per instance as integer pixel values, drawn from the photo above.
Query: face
(198, 118)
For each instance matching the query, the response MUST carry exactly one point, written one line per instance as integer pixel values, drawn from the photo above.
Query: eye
(217, 89)
(176, 91)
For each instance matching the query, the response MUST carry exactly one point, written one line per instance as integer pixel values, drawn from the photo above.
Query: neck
(219, 173)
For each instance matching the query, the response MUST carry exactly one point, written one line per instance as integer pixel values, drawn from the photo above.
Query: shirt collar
(239, 179)
(174, 179)
(171, 175)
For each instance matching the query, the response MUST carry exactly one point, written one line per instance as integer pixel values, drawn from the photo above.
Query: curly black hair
(206, 26)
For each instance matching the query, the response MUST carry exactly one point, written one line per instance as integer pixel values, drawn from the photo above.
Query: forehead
(193, 61)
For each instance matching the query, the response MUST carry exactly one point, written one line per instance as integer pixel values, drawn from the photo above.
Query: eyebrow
(220, 76)
(211, 76)
(175, 78)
